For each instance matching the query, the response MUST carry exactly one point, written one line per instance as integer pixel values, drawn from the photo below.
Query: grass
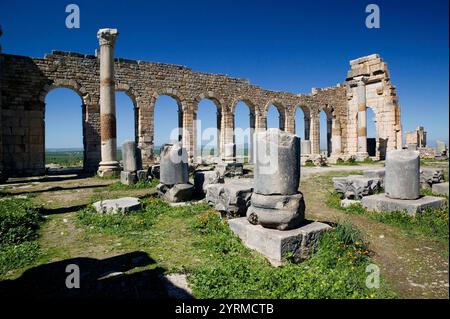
(19, 225)
(139, 185)
(194, 240)
(431, 223)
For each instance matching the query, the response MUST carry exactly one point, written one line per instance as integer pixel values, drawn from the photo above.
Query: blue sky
(280, 45)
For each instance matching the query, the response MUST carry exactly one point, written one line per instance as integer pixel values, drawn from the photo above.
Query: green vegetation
(19, 224)
(309, 163)
(139, 185)
(219, 266)
(432, 223)
(64, 158)
(336, 270)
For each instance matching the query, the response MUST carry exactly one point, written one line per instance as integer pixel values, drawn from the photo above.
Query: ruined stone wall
(26, 81)
(380, 97)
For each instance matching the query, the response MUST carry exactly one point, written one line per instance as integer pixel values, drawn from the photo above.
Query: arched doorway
(167, 122)
(244, 127)
(208, 123)
(126, 121)
(64, 142)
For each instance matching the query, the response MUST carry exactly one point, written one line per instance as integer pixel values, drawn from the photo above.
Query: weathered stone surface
(142, 175)
(283, 202)
(275, 244)
(174, 165)
(231, 198)
(229, 151)
(356, 186)
(230, 169)
(129, 156)
(128, 178)
(382, 203)
(430, 176)
(120, 205)
(204, 178)
(212, 193)
(23, 132)
(440, 189)
(277, 163)
(305, 147)
(179, 193)
(375, 173)
(402, 179)
(441, 148)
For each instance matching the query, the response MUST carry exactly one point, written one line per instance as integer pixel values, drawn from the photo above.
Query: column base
(109, 169)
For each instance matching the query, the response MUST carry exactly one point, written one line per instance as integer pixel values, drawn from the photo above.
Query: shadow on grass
(99, 278)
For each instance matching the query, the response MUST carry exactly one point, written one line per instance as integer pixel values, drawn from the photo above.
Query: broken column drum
(174, 174)
(174, 167)
(402, 180)
(276, 201)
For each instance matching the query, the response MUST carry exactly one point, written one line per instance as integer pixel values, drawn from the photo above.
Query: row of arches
(167, 116)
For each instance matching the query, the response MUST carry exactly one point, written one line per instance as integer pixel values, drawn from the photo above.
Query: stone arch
(68, 84)
(306, 118)
(173, 93)
(240, 136)
(223, 118)
(79, 90)
(129, 91)
(209, 95)
(247, 101)
(282, 110)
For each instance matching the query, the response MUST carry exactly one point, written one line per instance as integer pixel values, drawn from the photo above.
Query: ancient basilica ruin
(25, 82)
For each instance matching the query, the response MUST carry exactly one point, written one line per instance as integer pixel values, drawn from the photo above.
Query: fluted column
(109, 165)
(362, 116)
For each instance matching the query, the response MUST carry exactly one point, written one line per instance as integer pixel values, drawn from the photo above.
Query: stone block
(382, 203)
(356, 186)
(128, 178)
(402, 180)
(430, 176)
(174, 167)
(440, 189)
(274, 244)
(120, 205)
(212, 193)
(277, 162)
(230, 169)
(177, 193)
(376, 173)
(142, 175)
(204, 178)
(129, 156)
(234, 198)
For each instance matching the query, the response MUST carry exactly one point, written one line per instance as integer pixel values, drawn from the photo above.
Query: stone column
(251, 136)
(362, 116)
(315, 134)
(307, 127)
(336, 138)
(189, 128)
(109, 166)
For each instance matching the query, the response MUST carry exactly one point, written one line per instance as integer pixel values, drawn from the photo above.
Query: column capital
(107, 36)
